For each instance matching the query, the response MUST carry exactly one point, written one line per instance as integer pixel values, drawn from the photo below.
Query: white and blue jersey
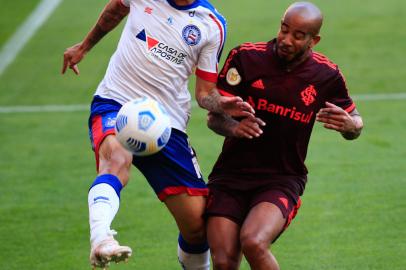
(162, 44)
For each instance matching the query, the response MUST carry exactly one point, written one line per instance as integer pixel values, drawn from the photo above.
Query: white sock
(189, 261)
(103, 205)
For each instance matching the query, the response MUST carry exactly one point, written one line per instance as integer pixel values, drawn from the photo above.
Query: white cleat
(107, 251)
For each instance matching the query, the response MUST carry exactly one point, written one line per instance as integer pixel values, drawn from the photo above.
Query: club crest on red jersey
(308, 95)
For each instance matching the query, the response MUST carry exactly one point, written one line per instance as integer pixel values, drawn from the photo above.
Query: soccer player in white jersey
(161, 45)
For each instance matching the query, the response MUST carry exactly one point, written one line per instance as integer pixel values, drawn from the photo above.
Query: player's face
(295, 39)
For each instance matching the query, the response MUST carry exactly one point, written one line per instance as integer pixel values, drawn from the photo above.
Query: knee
(120, 159)
(254, 246)
(224, 262)
(194, 231)
(117, 162)
(195, 234)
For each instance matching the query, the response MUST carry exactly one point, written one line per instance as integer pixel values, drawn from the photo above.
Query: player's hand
(249, 127)
(236, 107)
(336, 118)
(72, 57)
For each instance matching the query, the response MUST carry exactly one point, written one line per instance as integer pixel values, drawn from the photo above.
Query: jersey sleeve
(207, 66)
(339, 93)
(231, 77)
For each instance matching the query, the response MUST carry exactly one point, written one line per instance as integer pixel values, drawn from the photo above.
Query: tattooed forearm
(95, 36)
(221, 124)
(210, 102)
(111, 16)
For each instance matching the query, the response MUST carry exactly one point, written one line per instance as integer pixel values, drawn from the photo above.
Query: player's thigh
(223, 237)
(173, 170)
(114, 159)
(188, 213)
(262, 225)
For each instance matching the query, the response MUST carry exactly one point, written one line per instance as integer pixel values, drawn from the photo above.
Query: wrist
(211, 103)
(352, 133)
(85, 46)
(233, 126)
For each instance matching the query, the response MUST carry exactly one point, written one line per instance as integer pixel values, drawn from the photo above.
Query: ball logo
(146, 119)
(233, 77)
(191, 35)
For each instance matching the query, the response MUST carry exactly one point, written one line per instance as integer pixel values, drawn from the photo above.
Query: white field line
(86, 107)
(31, 25)
(379, 97)
(45, 108)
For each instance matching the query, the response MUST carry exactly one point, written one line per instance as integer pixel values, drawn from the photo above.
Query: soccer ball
(143, 126)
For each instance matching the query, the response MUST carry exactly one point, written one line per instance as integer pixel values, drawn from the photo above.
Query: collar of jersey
(196, 3)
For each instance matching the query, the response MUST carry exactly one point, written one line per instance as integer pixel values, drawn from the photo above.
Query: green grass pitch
(354, 208)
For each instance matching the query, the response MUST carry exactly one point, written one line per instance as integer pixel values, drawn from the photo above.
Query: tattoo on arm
(352, 135)
(96, 35)
(221, 124)
(110, 17)
(210, 102)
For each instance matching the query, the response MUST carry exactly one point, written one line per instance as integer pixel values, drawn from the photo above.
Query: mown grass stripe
(24, 33)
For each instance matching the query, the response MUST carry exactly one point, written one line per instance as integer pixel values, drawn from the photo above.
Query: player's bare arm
(249, 127)
(112, 14)
(209, 98)
(335, 118)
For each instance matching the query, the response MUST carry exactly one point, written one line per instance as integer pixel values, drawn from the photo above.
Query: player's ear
(315, 40)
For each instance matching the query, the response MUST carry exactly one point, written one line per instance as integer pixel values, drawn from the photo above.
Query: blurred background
(353, 214)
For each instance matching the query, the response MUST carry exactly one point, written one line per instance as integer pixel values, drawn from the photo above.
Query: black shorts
(236, 204)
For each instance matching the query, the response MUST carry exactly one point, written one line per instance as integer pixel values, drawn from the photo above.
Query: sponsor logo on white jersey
(161, 50)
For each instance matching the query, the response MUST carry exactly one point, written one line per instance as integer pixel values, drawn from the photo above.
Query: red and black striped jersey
(287, 100)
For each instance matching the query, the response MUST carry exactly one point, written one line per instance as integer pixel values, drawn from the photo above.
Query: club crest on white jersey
(191, 35)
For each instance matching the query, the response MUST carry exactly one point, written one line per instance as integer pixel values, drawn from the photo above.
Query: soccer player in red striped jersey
(257, 181)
